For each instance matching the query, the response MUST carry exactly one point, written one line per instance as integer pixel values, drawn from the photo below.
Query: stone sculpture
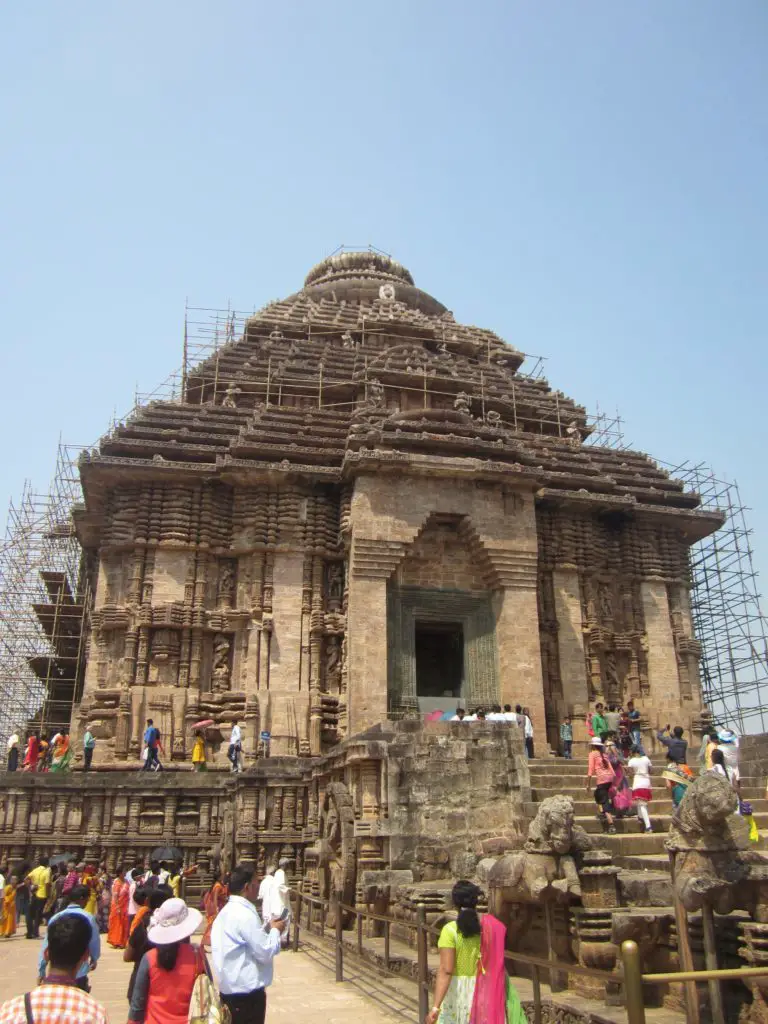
(462, 403)
(545, 869)
(707, 840)
(229, 401)
(375, 393)
(221, 667)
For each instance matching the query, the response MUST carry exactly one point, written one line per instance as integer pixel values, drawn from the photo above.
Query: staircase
(642, 857)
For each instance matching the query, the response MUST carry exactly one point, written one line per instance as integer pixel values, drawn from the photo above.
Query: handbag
(205, 1006)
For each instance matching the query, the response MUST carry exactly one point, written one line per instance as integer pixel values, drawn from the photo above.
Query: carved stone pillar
(664, 699)
(277, 809)
(123, 728)
(570, 642)
(21, 814)
(289, 705)
(367, 649)
(252, 729)
(134, 808)
(169, 815)
(289, 808)
(517, 637)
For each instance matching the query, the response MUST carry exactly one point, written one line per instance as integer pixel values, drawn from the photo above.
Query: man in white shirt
(13, 752)
(509, 715)
(729, 744)
(136, 878)
(459, 716)
(235, 746)
(243, 949)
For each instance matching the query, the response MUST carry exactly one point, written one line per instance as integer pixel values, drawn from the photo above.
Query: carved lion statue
(545, 869)
(553, 829)
(708, 840)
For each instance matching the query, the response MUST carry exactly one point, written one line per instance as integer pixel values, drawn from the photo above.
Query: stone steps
(645, 887)
(579, 793)
(566, 770)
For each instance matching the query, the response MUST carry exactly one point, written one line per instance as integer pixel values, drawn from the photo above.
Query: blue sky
(587, 179)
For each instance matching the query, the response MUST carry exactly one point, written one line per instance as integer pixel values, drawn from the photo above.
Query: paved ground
(303, 990)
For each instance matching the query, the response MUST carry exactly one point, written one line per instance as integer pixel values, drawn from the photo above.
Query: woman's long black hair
(166, 955)
(465, 896)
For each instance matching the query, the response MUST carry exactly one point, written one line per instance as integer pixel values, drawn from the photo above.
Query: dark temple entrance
(439, 659)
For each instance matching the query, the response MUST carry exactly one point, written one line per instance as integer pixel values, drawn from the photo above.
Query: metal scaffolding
(725, 603)
(44, 606)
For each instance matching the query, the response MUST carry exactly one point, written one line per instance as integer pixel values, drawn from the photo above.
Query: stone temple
(359, 511)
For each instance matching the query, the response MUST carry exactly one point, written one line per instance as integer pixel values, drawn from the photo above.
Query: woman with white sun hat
(167, 974)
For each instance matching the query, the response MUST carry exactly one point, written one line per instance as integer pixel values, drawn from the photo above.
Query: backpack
(205, 1006)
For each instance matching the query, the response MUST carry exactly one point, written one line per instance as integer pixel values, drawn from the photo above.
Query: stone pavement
(303, 990)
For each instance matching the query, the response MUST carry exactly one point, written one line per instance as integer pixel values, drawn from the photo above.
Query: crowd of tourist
(170, 980)
(617, 755)
(56, 754)
(42, 754)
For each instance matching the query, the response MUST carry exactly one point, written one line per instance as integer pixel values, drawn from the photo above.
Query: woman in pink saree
(495, 1000)
(472, 986)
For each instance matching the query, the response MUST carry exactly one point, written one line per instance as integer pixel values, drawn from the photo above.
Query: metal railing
(303, 901)
(634, 979)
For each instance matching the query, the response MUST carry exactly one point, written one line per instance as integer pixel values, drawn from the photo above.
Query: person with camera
(243, 948)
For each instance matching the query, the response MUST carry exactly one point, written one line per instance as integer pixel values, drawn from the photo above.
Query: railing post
(359, 933)
(296, 923)
(386, 945)
(423, 967)
(684, 947)
(339, 946)
(633, 982)
(536, 994)
(710, 959)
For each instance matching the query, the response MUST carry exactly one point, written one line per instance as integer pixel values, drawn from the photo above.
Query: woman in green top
(463, 944)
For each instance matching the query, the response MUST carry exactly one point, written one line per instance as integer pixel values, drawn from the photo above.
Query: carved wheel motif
(337, 861)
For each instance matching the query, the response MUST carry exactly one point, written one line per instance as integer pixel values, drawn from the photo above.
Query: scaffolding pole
(725, 605)
(44, 606)
(725, 600)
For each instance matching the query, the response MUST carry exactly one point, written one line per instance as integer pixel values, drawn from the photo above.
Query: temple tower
(361, 509)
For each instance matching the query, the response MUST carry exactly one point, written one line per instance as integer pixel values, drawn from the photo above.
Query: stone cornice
(692, 523)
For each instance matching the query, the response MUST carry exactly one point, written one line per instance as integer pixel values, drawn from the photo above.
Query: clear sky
(589, 179)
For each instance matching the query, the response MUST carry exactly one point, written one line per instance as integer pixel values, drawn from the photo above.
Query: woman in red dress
(31, 754)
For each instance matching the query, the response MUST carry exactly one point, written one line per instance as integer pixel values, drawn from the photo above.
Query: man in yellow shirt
(40, 884)
(177, 873)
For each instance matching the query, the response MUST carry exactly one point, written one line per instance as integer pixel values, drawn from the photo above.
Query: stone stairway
(642, 857)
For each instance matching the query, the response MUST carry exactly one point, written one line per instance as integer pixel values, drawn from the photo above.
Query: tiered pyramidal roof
(362, 368)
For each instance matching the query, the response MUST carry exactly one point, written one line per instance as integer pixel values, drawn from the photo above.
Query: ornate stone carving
(221, 668)
(462, 403)
(707, 840)
(334, 852)
(545, 869)
(335, 585)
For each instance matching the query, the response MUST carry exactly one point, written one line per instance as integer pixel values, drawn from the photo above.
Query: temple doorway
(439, 649)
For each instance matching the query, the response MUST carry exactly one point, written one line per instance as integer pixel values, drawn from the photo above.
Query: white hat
(172, 922)
(597, 742)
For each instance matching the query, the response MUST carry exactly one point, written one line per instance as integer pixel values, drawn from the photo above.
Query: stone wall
(429, 799)
(456, 794)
